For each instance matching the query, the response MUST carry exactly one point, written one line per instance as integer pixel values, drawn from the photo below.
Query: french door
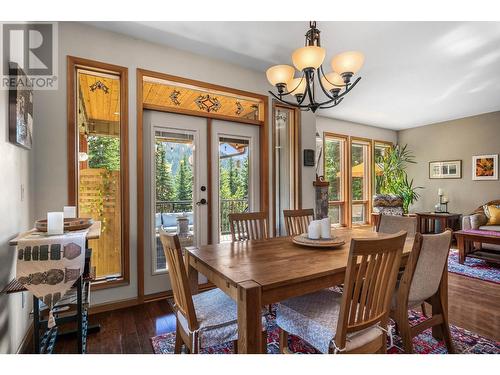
(198, 171)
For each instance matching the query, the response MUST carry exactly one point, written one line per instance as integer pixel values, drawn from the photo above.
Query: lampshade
(280, 74)
(295, 85)
(308, 57)
(348, 62)
(332, 80)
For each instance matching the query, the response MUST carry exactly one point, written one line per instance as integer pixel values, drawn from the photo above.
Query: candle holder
(442, 206)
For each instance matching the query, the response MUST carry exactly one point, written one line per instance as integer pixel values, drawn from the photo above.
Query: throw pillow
(494, 218)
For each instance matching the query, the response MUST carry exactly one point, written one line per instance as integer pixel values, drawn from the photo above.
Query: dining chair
(421, 282)
(248, 226)
(205, 319)
(393, 224)
(297, 221)
(356, 320)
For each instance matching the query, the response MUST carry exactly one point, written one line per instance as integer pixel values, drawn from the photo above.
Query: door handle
(202, 201)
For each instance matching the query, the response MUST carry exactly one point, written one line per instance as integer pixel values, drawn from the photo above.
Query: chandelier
(308, 60)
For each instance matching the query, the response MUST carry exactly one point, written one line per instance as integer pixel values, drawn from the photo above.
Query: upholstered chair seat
(314, 317)
(217, 317)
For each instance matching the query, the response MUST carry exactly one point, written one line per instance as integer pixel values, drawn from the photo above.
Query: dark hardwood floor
(473, 304)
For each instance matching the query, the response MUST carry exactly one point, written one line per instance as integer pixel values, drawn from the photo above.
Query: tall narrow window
(360, 181)
(335, 174)
(98, 179)
(233, 181)
(286, 186)
(379, 150)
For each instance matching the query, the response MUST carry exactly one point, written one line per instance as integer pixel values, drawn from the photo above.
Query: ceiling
(415, 73)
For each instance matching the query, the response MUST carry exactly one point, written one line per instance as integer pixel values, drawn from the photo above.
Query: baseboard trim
(115, 305)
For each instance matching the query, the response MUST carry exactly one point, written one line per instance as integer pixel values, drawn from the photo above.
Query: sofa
(477, 221)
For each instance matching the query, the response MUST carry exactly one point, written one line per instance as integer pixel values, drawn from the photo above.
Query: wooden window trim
(140, 106)
(72, 64)
(345, 184)
(297, 162)
(368, 179)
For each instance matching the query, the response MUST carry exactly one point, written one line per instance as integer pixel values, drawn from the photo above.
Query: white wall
(16, 215)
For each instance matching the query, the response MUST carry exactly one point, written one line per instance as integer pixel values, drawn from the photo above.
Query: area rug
(465, 342)
(476, 268)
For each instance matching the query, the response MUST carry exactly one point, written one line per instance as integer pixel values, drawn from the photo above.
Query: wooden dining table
(262, 272)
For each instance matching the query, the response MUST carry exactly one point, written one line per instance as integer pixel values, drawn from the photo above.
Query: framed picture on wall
(485, 167)
(20, 109)
(445, 169)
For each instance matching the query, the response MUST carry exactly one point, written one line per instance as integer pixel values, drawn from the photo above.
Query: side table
(426, 222)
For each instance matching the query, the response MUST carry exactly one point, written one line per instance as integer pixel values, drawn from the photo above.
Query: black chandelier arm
(336, 103)
(299, 105)
(296, 87)
(310, 93)
(340, 96)
(325, 91)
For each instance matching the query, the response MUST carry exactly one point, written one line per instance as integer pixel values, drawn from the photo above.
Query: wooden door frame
(72, 149)
(263, 159)
(297, 186)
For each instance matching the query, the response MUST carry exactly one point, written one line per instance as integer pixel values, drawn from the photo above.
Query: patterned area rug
(465, 342)
(476, 268)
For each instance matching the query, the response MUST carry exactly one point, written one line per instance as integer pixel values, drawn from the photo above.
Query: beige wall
(16, 216)
(450, 140)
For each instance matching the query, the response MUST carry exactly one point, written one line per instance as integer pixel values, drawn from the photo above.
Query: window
(379, 150)
(360, 181)
(335, 174)
(98, 177)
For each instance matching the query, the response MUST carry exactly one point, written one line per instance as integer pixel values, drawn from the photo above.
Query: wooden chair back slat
(248, 226)
(183, 298)
(369, 283)
(297, 221)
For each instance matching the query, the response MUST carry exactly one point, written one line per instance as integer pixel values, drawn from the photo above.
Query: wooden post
(321, 198)
(249, 317)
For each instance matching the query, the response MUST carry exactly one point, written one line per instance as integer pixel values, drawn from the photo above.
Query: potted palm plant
(393, 178)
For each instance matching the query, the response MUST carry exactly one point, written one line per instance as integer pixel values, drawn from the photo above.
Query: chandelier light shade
(348, 62)
(280, 74)
(308, 61)
(296, 86)
(332, 80)
(309, 57)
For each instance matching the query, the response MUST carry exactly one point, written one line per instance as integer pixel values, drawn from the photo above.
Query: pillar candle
(326, 228)
(55, 222)
(314, 230)
(440, 191)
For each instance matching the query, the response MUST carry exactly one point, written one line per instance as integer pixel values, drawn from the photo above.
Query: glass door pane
(233, 181)
(173, 163)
